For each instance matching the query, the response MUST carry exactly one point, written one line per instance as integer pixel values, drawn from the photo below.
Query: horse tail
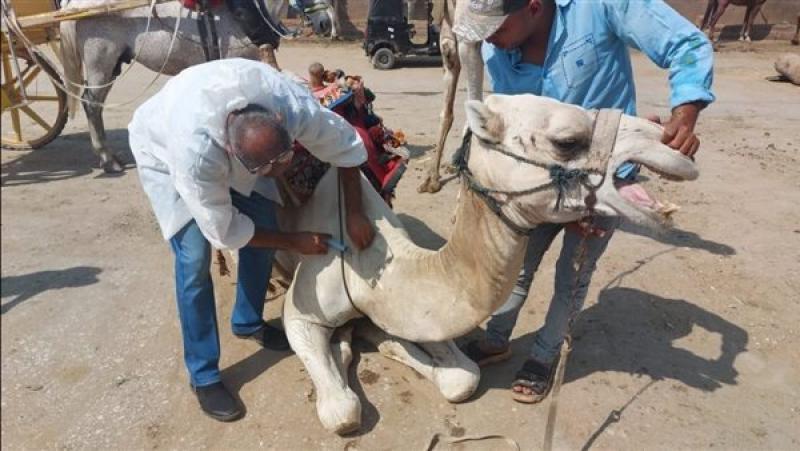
(73, 64)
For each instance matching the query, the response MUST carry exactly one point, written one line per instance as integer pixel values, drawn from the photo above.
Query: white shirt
(177, 138)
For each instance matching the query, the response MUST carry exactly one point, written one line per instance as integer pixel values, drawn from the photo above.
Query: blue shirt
(588, 64)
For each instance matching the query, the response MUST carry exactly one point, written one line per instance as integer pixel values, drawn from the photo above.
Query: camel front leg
(338, 407)
(796, 38)
(453, 373)
(452, 69)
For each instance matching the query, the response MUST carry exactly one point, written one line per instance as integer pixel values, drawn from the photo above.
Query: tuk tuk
(389, 34)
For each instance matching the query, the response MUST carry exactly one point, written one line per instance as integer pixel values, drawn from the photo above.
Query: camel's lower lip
(636, 195)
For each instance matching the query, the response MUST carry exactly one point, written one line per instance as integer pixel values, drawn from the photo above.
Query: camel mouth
(667, 164)
(637, 196)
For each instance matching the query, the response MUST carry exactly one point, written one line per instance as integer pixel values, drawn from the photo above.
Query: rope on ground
(439, 438)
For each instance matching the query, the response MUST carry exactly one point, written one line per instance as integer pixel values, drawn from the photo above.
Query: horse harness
(604, 137)
(251, 15)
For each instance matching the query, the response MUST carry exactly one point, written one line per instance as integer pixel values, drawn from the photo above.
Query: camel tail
(73, 65)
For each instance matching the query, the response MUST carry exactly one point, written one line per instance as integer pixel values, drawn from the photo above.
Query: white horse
(102, 44)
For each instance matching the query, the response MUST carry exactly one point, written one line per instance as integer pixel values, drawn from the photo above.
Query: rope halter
(604, 137)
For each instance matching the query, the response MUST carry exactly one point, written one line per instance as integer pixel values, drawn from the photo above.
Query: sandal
(478, 355)
(536, 377)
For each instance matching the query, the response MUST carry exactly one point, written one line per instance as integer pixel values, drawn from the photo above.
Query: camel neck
(483, 256)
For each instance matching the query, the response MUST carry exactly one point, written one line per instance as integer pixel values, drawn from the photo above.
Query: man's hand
(679, 130)
(360, 230)
(308, 243)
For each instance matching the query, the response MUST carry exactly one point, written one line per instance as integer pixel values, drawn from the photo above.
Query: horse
(166, 41)
(716, 8)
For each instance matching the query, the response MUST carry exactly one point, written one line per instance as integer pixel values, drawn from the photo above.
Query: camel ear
(485, 124)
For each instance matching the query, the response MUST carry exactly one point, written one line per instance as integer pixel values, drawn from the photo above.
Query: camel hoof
(340, 412)
(795, 41)
(430, 185)
(113, 166)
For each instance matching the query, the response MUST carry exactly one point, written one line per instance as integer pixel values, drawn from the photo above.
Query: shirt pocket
(579, 60)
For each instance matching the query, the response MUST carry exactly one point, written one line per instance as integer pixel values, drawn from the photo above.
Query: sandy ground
(692, 337)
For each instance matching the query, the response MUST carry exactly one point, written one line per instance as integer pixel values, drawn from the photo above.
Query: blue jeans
(195, 292)
(549, 338)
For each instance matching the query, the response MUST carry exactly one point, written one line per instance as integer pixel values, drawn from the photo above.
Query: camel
(788, 66)
(412, 302)
(454, 55)
(716, 8)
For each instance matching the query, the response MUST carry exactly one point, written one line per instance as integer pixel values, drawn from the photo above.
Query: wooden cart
(34, 109)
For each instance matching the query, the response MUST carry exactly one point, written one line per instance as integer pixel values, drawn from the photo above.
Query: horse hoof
(430, 185)
(113, 166)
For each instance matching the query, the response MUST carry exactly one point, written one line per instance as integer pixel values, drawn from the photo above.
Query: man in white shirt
(207, 147)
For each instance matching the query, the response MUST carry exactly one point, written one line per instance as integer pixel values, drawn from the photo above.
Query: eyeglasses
(265, 168)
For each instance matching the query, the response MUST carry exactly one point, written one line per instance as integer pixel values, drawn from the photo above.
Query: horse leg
(452, 69)
(335, 20)
(709, 12)
(453, 373)
(93, 99)
(721, 6)
(745, 21)
(749, 19)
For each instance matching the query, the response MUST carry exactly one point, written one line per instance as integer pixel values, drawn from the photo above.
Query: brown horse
(716, 8)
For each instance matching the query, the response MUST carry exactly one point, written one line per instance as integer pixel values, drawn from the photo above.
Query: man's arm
(202, 186)
(332, 139)
(673, 43)
(358, 226)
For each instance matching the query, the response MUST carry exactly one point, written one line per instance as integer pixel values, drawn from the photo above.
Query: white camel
(418, 300)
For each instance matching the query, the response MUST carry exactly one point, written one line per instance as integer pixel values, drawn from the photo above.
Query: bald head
(257, 135)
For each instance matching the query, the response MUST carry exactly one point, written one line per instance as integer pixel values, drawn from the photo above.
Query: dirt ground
(689, 340)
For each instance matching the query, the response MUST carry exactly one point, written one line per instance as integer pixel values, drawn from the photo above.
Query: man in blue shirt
(576, 51)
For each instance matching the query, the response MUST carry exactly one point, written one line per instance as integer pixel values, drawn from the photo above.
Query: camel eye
(568, 145)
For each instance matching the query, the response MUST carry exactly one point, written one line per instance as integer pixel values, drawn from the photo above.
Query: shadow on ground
(679, 238)
(67, 157)
(632, 331)
(28, 286)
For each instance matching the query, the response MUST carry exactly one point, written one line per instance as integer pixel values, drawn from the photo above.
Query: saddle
(251, 15)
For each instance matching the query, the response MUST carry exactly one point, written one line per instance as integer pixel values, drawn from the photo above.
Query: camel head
(520, 139)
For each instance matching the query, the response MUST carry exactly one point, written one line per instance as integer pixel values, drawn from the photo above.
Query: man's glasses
(265, 168)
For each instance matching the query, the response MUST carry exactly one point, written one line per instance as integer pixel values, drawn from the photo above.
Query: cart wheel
(383, 59)
(33, 124)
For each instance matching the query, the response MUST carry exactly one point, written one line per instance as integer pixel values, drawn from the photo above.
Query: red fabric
(193, 4)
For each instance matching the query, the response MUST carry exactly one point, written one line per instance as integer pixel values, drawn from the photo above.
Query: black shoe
(217, 402)
(269, 337)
